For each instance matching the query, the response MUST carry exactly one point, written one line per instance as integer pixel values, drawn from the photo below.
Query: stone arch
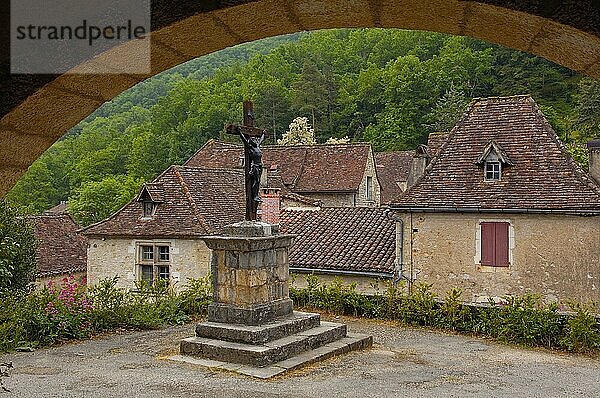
(568, 33)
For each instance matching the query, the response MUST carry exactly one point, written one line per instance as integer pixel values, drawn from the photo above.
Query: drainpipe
(399, 246)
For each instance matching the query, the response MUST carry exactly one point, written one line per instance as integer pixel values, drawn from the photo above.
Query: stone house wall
(189, 258)
(556, 256)
(351, 199)
(58, 279)
(333, 199)
(364, 284)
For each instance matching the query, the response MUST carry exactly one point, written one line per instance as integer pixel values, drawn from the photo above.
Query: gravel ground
(403, 362)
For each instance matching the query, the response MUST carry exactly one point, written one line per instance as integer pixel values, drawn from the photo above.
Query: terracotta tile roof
(351, 239)
(435, 142)
(274, 180)
(303, 168)
(543, 177)
(61, 249)
(392, 170)
(195, 202)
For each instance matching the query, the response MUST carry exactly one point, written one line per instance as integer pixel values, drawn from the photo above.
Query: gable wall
(190, 258)
(370, 171)
(556, 256)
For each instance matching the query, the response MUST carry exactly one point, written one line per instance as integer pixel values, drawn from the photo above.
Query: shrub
(581, 332)
(522, 320)
(17, 251)
(72, 311)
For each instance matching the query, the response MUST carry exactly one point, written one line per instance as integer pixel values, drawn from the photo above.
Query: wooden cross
(252, 137)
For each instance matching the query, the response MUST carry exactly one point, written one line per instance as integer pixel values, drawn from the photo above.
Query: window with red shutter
(494, 244)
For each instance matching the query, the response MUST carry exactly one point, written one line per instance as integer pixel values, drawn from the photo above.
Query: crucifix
(252, 137)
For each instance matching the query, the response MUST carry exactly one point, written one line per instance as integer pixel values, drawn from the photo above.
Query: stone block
(269, 258)
(297, 322)
(231, 259)
(251, 229)
(257, 314)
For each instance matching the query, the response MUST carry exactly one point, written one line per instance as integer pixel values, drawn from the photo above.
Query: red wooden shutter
(501, 257)
(487, 243)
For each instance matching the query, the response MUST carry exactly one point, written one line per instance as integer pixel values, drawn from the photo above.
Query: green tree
(447, 110)
(96, 200)
(17, 251)
(588, 108)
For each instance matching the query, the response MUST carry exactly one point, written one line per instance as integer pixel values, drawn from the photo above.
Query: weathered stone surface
(296, 323)
(251, 315)
(264, 354)
(251, 229)
(344, 345)
(251, 321)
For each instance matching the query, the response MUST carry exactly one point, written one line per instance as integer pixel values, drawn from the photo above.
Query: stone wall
(556, 256)
(364, 284)
(190, 258)
(361, 198)
(78, 277)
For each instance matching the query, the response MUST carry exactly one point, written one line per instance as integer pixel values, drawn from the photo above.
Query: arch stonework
(567, 36)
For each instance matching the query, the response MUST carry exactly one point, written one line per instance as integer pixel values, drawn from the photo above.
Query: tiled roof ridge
(500, 98)
(207, 144)
(188, 196)
(210, 169)
(451, 135)
(571, 163)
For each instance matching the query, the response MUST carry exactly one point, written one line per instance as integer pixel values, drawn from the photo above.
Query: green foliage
(582, 330)
(17, 251)
(522, 320)
(96, 200)
(71, 310)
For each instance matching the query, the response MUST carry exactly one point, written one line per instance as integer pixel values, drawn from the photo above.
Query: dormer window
(150, 197)
(493, 159)
(492, 170)
(148, 208)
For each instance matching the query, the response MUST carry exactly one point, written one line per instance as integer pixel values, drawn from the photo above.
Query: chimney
(271, 205)
(594, 150)
(417, 166)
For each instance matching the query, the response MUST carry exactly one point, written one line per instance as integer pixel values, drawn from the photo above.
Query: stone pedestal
(252, 328)
(250, 274)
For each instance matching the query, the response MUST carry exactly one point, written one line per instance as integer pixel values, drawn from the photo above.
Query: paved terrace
(404, 362)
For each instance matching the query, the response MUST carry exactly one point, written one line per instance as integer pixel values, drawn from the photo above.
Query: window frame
(493, 171)
(148, 209)
(158, 265)
(369, 188)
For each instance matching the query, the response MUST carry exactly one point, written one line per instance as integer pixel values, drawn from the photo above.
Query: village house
(61, 251)
(332, 174)
(158, 234)
(502, 209)
(355, 244)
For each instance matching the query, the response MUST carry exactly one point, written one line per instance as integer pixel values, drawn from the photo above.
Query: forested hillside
(388, 87)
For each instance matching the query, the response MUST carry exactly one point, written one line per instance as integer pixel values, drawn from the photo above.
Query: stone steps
(344, 345)
(261, 355)
(296, 323)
